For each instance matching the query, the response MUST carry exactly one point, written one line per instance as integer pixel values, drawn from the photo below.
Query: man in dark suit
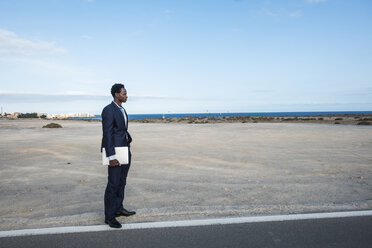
(115, 133)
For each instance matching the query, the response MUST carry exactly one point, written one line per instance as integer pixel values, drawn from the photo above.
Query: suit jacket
(115, 130)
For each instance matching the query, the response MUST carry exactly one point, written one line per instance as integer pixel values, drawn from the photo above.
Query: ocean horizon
(156, 116)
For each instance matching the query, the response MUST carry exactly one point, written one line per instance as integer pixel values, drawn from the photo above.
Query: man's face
(122, 96)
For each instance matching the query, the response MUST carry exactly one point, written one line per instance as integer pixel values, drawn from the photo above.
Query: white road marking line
(185, 223)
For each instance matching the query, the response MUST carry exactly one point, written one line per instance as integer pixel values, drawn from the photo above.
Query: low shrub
(364, 123)
(52, 125)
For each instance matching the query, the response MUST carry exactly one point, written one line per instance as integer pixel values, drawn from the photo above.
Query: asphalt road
(334, 232)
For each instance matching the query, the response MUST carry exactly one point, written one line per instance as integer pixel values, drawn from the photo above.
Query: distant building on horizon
(50, 116)
(70, 115)
(10, 115)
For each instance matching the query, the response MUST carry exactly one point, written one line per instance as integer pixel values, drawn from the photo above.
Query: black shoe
(124, 212)
(113, 223)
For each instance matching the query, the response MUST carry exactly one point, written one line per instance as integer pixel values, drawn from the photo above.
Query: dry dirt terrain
(53, 177)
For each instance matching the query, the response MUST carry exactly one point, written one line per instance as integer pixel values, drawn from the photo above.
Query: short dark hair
(116, 88)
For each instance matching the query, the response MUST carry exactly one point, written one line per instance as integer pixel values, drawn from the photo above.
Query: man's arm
(108, 140)
(108, 132)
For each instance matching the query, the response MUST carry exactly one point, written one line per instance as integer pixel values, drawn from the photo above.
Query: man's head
(119, 92)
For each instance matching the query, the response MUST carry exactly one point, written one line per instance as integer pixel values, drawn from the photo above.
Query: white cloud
(316, 1)
(268, 12)
(29, 97)
(11, 44)
(296, 13)
(168, 11)
(86, 37)
(40, 71)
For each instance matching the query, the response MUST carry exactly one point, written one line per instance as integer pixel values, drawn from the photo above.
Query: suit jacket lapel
(119, 114)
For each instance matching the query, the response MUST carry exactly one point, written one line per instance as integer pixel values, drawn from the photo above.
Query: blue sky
(186, 56)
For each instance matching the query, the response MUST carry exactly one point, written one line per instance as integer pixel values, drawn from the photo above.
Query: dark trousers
(114, 193)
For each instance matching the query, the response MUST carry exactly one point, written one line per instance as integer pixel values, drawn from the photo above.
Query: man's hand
(114, 163)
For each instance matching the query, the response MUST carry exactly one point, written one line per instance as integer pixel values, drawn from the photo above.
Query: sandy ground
(53, 177)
